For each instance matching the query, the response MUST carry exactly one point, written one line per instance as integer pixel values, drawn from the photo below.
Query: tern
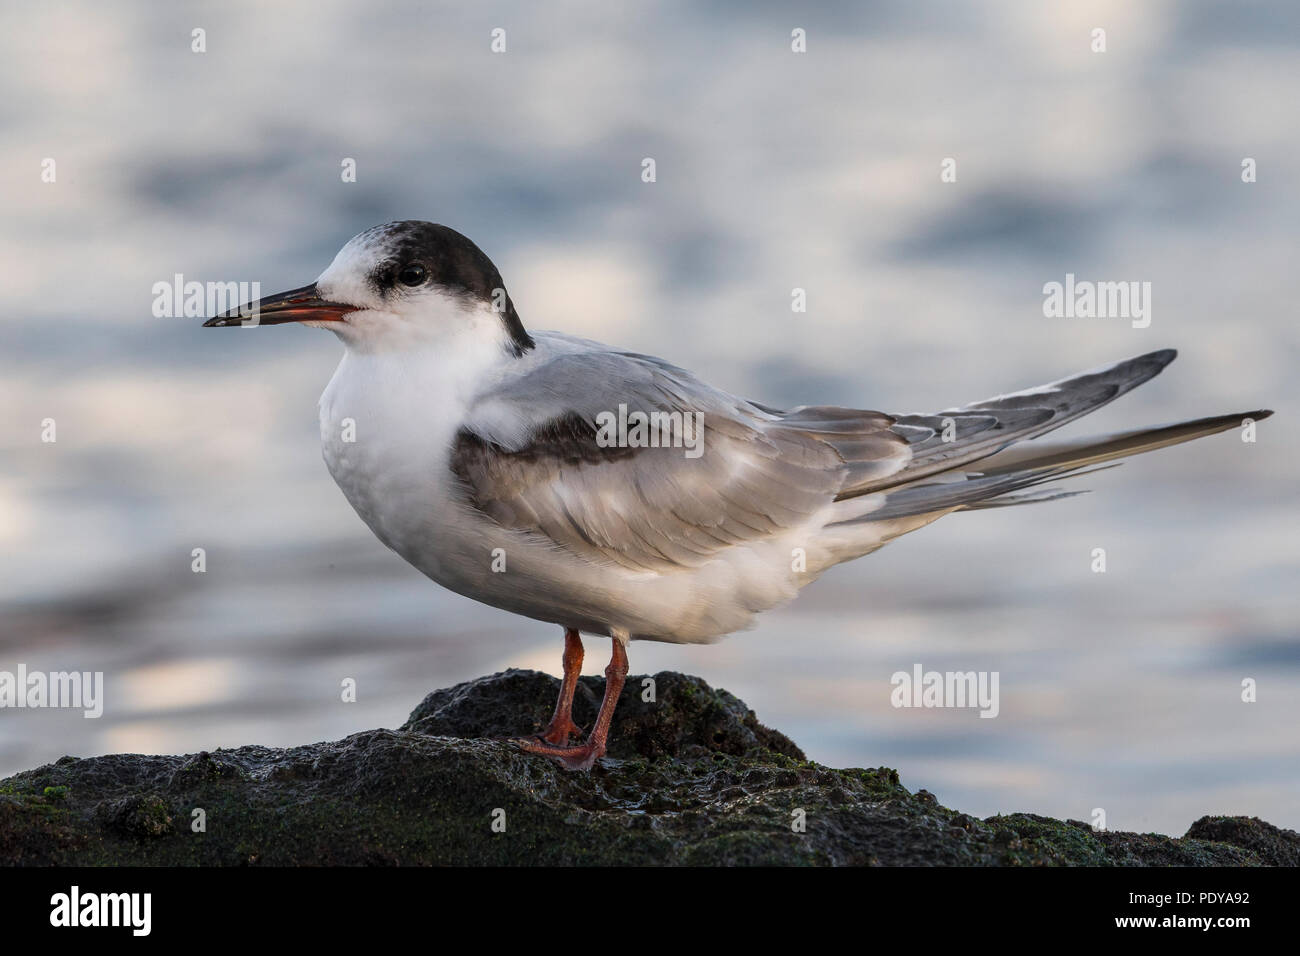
(614, 494)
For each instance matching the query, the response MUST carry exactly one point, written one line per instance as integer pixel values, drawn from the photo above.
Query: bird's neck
(422, 383)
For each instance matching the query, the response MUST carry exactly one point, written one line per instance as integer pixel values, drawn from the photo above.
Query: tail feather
(964, 458)
(954, 495)
(1032, 498)
(952, 439)
(1099, 448)
(995, 484)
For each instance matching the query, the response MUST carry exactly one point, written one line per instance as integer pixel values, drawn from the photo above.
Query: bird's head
(400, 285)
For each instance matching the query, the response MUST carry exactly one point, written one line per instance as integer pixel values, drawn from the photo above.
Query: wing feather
(528, 457)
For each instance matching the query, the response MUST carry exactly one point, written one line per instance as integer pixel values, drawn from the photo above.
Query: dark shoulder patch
(568, 440)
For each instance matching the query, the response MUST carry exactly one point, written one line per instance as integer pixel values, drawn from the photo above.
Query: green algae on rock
(692, 778)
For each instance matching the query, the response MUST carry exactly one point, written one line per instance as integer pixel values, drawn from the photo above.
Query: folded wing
(529, 457)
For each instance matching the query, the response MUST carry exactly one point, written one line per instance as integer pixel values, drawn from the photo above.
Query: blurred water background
(775, 170)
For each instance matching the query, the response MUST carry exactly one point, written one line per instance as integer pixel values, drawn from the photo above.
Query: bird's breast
(388, 452)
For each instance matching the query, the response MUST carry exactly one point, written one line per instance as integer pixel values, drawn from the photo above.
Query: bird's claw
(579, 757)
(558, 732)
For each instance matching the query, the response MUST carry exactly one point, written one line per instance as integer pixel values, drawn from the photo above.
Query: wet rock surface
(692, 778)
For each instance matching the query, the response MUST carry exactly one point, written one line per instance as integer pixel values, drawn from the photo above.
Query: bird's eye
(412, 274)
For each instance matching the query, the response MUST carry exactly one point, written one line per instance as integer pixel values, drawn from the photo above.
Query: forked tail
(970, 457)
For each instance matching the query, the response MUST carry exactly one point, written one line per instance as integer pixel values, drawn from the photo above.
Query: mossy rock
(692, 778)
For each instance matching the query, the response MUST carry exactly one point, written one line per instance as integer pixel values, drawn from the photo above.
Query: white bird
(492, 460)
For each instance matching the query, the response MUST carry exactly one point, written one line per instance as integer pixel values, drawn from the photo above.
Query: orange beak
(297, 305)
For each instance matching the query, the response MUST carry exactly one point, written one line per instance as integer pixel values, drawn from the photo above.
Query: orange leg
(562, 725)
(582, 756)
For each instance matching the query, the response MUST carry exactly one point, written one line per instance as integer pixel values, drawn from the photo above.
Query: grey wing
(948, 441)
(944, 445)
(530, 457)
(999, 473)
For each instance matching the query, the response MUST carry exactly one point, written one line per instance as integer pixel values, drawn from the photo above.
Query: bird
(616, 495)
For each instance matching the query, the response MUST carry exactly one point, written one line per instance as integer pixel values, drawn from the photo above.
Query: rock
(684, 716)
(1278, 847)
(692, 778)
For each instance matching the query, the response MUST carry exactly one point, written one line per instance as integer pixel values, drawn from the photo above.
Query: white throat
(389, 417)
(414, 375)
